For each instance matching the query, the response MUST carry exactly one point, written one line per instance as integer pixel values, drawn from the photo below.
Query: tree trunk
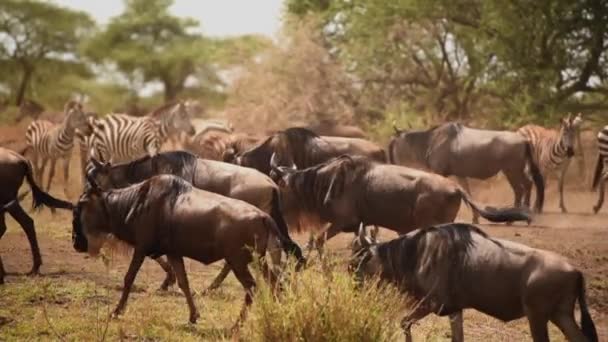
(25, 80)
(172, 90)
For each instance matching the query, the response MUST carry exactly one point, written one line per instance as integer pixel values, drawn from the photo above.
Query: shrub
(325, 306)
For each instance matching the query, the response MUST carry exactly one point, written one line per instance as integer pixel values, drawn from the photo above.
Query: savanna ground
(75, 294)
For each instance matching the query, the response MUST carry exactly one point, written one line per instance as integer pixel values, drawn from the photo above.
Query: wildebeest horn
(396, 129)
(328, 195)
(274, 165)
(363, 235)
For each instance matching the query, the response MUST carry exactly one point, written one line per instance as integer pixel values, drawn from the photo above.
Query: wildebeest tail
(537, 177)
(495, 214)
(599, 168)
(40, 197)
(587, 324)
(282, 231)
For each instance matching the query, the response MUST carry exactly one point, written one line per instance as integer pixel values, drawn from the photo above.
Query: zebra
(601, 167)
(83, 137)
(50, 142)
(552, 150)
(120, 137)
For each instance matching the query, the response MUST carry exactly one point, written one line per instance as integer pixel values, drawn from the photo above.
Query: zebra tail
(599, 168)
(39, 197)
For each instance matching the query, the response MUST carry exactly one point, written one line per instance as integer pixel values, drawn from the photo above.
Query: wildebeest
(221, 178)
(451, 267)
(165, 215)
(452, 149)
(348, 190)
(13, 169)
(218, 144)
(303, 148)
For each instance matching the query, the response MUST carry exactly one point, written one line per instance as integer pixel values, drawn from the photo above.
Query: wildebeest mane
(129, 203)
(402, 258)
(179, 163)
(311, 185)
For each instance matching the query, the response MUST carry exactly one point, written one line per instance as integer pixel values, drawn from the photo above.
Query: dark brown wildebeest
(452, 149)
(346, 191)
(452, 267)
(13, 169)
(165, 215)
(221, 178)
(303, 148)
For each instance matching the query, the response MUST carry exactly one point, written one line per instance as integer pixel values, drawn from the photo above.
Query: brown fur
(347, 191)
(165, 215)
(453, 267)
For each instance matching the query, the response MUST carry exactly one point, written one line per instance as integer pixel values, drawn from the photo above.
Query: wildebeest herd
(233, 196)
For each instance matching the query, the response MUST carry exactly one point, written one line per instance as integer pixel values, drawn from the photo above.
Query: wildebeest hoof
(116, 314)
(194, 317)
(596, 209)
(34, 272)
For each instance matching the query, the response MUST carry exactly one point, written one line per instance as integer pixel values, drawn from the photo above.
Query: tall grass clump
(316, 305)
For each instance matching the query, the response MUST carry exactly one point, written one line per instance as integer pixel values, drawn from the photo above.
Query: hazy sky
(217, 17)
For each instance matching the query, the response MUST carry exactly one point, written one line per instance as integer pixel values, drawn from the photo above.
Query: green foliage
(40, 41)
(451, 58)
(147, 42)
(325, 305)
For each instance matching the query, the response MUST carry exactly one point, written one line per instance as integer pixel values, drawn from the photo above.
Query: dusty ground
(72, 298)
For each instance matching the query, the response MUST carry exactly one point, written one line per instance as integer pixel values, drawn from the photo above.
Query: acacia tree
(146, 41)
(34, 36)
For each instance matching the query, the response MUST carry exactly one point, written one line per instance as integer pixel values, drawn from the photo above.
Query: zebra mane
(163, 110)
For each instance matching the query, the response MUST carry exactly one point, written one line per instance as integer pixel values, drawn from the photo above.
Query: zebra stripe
(120, 137)
(550, 147)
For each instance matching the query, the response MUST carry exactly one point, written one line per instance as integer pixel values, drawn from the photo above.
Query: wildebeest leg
(1, 272)
(465, 184)
(2, 231)
(51, 174)
(456, 327)
(566, 323)
(241, 271)
(66, 174)
(136, 261)
(169, 274)
(219, 279)
(600, 199)
(538, 328)
(274, 249)
(516, 180)
(417, 314)
(527, 185)
(560, 184)
(177, 262)
(27, 224)
(329, 233)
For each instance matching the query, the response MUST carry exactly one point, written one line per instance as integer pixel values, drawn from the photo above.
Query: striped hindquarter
(119, 137)
(548, 149)
(552, 150)
(601, 168)
(49, 142)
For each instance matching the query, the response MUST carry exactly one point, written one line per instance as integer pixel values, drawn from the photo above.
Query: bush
(325, 306)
